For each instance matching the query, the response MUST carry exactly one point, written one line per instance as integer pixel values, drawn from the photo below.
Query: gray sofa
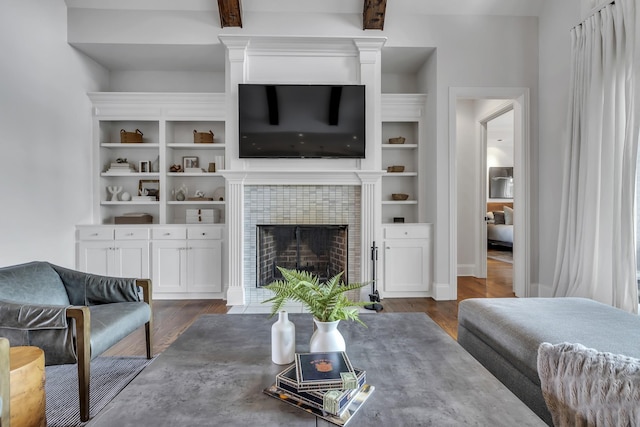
(72, 316)
(504, 335)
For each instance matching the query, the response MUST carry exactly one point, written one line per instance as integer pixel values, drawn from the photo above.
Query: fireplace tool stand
(374, 296)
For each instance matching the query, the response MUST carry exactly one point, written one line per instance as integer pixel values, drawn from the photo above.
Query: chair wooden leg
(148, 332)
(84, 376)
(83, 344)
(145, 284)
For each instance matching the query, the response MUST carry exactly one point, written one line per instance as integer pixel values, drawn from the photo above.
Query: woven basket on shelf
(202, 137)
(399, 196)
(130, 137)
(397, 140)
(395, 168)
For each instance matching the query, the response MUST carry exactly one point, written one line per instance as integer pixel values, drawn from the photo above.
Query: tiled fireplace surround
(298, 204)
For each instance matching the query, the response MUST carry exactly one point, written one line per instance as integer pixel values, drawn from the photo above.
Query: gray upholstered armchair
(71, 315)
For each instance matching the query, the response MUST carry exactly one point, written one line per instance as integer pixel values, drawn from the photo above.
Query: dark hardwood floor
(171, 318)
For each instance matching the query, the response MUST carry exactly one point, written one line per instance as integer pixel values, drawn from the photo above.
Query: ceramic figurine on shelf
(114, 190)
(181, 193)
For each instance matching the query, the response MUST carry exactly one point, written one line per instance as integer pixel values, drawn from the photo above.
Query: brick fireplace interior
(320, 249)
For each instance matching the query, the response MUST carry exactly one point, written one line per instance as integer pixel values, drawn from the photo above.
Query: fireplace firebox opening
(319, 249)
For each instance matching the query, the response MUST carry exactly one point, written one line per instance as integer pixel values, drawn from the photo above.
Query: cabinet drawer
(204, 232)
(132, 233)
(169, 233)
(410, 231)
(95, 233)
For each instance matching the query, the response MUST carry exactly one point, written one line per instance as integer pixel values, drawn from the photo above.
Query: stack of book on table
(325, 384)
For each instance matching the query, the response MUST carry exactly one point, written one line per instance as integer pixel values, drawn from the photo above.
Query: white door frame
(481, 208)
(522, 156)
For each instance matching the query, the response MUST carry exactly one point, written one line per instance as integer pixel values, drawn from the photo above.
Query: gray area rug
(109, 375)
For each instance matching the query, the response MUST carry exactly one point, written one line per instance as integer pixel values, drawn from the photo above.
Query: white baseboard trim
(444, 292)
(235, 295)
(466, 269)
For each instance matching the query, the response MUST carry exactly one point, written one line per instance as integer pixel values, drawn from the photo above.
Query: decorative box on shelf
(202, 216)
(134, 218)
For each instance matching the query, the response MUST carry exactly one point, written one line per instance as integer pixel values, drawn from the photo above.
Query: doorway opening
(470, 180)
(498, 151)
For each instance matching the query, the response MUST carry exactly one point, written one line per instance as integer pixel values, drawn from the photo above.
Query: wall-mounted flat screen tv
(301, 121)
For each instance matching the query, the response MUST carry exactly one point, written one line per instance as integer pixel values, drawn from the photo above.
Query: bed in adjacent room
(500, 223)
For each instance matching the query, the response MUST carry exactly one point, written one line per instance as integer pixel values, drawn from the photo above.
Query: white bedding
(500, 233)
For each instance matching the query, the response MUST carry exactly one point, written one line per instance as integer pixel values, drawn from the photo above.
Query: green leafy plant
(326, 301)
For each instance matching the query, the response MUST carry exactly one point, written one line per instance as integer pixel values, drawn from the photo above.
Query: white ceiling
(210, 57)
(500, 130)
(428, 7)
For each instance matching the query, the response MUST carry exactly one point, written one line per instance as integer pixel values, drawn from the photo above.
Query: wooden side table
(28, 399)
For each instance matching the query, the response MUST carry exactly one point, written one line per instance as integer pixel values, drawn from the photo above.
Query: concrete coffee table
(216, 371)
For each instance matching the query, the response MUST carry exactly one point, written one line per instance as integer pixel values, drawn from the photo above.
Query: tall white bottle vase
(283, 340)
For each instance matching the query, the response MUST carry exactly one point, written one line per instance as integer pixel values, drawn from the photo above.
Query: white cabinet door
(131, 259)
(169, 266)
(204, 266)
(113, 258)
(95, 257)
(406, 265)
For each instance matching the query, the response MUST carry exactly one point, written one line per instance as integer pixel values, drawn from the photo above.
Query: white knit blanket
(584, 387)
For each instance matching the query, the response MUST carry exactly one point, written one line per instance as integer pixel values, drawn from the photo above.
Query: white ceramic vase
(283, 340)
(327, 338)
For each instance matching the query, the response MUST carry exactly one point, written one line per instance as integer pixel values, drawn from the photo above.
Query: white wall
(471, 51)
(556, 20)
(45, 129)
(399, 83)
(486, 51)
(165, 81)
(467, 183)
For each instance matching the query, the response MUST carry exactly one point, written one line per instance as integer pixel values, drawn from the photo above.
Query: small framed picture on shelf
(144, 166)
(149, 188)
(189, 162)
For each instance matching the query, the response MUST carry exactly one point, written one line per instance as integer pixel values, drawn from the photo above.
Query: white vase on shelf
(326, 338)
(283, 340)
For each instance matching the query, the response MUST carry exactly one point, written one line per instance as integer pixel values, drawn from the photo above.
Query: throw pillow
(508, 215)
(584, 387)
(498, 217)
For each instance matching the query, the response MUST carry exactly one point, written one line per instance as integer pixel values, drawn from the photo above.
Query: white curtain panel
(596, 249)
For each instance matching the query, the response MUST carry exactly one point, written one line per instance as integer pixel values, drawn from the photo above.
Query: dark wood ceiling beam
(230, 13)
(373, 15)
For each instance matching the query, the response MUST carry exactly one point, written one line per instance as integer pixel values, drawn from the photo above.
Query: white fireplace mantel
(303, 177)
(315, 60)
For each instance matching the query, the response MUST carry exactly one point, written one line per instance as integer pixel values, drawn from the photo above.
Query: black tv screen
(301, 121)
